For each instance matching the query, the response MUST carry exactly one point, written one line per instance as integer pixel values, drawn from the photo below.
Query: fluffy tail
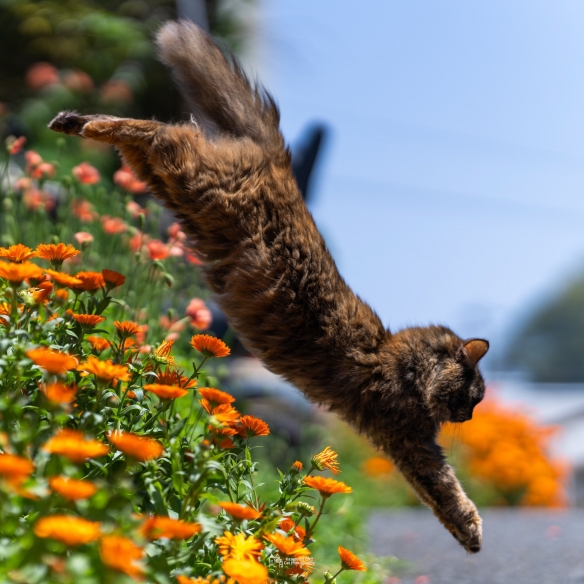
(218, 90)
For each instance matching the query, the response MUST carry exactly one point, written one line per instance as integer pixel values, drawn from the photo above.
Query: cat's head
(444, 368)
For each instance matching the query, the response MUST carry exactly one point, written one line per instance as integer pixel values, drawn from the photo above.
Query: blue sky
(452, 189)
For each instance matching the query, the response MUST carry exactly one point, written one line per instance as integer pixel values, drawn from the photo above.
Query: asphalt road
(519, 547)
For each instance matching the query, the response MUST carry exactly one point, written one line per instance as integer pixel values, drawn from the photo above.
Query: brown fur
(269, 268)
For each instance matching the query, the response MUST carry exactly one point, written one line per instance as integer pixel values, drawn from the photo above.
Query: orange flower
(162, 353)
(126, 179)
(138, 447)
(16, 273)
(377, 466)
(238, 547)
(59, 392)
(41, 293)
(62, 295)
(112, 279)
(88, 320)
(287, 546)
(297, 466)
(83, 238)
(104, 370)
(16, 145)
(158, 527)
(73, 445)
(121, 554)
(224, 414)
(175, 378)
(56, 254)
(245, 571)
(210, 346)
(350, 561)
(51, 361)
(17, 253)
(86, 174)
(238, 511)
(127, 327)
(15, 468)
(157, 250)
(250, 427)
(98, 343)
(199, 315)
(90, 281)
(72, 531)
(326, 487)
(287, 525)
(64, 279)
(215, 397)
(185, 580)
(113, 225)
(166, 391)
(72, 489)
(326, 459)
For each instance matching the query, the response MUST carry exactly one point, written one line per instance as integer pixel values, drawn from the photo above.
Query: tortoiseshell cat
(232, 188)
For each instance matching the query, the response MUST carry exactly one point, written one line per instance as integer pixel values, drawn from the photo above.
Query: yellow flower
(326, 459)
(72, 531)
(246, 571)
(238, 547)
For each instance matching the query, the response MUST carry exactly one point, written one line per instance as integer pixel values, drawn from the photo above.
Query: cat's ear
(472, 351)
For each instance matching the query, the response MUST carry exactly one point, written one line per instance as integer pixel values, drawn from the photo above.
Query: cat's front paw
(68, 123)
(468, 531)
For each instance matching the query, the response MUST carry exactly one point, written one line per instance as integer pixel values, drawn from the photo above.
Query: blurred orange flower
(157, 250)
(112, 225)
(59, 392)
(121, 554)
(238, 511)
(288, 525)
(64, 279)
(16, 273)
(246, 571)
(158, 527)
(377, 465)
(72, 531)
(83, 238)
(73, 445)
(41, 74)
(15, 468)
(138, 447)
(51, 361)
(126, 179)
(98, 343)
(84, 210)
(199, 315)
(16, 145)
(210, 346)
(215, 397)
(86, 173)
(72, 489)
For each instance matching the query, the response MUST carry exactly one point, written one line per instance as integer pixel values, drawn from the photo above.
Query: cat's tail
(215, 88)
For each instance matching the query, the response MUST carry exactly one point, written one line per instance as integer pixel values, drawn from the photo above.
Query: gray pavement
(519, 547)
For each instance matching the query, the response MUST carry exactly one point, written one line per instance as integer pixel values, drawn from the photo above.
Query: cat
(227, 177)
